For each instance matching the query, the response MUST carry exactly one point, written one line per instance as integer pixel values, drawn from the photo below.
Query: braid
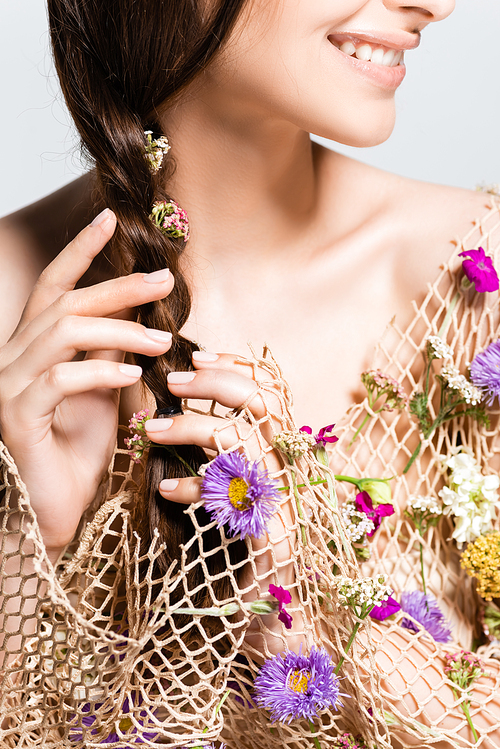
(113, 82)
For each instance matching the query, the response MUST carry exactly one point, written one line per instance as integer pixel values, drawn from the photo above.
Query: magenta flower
(480, 270)
(323, 435)
(388, 608)
(283, 597)
(364, 504)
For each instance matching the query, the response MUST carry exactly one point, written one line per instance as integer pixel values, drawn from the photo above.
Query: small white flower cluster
(293, 444)
(156, 149)
(365, 592)
(438, 349)
(470, 497)
(425, 504)
(456, 381)
(357, 523)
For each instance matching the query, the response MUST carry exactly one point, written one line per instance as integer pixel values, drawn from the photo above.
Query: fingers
(211, 433)
(32, 410)
(72, 334)
(102, 300)
(68, 267)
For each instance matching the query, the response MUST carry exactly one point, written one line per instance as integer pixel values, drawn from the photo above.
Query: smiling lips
(375, 53)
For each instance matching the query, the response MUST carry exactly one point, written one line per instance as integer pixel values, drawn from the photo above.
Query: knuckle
(56, 376)
(66, 327)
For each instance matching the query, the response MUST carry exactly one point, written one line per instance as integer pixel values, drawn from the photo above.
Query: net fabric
(100, 658)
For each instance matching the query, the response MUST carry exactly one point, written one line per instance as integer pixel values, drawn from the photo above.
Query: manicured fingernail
(102, 217)
(131, 370)
(158, 276)
(158, 335)
(180, 378)
(168, 485)
(204, 356)
(158, 425)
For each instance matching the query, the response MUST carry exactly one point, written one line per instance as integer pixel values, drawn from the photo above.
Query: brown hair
(119, 61)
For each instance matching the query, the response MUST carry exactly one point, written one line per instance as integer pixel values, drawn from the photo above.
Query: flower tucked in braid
(118, 62)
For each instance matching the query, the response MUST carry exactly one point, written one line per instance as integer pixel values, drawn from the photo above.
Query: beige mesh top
(99, 657)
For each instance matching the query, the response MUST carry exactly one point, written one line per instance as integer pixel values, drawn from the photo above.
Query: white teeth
(364, 52)
(348, 48)
(397, 58)
(389, 58)
(377, 56)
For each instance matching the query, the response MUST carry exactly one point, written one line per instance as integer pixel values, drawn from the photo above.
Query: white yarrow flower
(438, 349)
(456, 381)
(425, 504)
(365, 592)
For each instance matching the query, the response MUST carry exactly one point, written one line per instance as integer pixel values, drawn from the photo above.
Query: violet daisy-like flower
(283, 597)
(323, 435)
(126, 725)
(485, 372)
(240, 494)
(386, 609)
(425, 610)
(479, 270)
(375, 514)
(293, 685)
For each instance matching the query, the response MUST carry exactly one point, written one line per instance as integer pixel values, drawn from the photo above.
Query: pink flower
(364, 504)
(388, 608)
(283, 597)
(479, 270)
(322, 437)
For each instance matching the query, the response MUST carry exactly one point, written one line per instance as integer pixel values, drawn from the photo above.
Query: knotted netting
(99, 650)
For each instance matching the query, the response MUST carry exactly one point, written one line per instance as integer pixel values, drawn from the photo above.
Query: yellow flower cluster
(481, 559)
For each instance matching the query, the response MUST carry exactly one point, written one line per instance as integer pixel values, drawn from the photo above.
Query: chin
(359, 134)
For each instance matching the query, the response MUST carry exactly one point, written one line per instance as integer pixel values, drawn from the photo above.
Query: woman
(290, 244)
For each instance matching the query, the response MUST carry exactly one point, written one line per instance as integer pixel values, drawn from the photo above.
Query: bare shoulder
(30, 239)
(430, 221)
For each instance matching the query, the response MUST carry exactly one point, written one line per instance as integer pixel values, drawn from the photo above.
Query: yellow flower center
(298, 681)
(238, 488)
(125, 724)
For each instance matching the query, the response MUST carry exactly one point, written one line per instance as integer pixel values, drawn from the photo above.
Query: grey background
(448, 106)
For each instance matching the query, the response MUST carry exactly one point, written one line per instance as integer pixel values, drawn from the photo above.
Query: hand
(231, 383)
(58, 416)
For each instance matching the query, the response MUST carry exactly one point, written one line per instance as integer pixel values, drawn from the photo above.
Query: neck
(245, 180)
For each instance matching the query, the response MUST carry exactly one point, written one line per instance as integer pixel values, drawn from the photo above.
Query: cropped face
(331, 67)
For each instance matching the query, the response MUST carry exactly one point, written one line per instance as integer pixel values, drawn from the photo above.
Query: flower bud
(378, 489)
(263, 607)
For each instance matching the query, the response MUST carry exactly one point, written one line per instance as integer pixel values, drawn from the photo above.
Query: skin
(337, 245)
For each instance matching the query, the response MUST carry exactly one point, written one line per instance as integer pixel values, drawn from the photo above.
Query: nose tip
(435, 10)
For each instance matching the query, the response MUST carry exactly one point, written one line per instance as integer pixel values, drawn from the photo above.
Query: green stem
(422, 567)
(358, 430)
(465, 709)
(315, 738)
(449, 312)
(351, 640)
(348, 479)
(174, 452)
(413, 458)
(299, 505)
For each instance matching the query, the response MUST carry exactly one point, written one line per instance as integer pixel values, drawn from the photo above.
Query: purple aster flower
(425, 610)
(125, 725)
(240, 494)
(323, 435)
(388, 608)
(364, 504)
(480, 270)
(283, 597)
(485, 372)
(292, 685)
